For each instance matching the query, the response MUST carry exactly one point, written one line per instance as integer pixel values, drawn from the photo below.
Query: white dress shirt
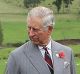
(49, 49)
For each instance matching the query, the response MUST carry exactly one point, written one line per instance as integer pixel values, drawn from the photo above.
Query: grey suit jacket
(28, 59)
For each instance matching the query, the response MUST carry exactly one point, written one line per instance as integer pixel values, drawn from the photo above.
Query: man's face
(37, 33)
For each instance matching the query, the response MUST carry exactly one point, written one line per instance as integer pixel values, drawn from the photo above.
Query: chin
(37, 43)
(34, 42)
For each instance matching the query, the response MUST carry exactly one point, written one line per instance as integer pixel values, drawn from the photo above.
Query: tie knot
(45, 48)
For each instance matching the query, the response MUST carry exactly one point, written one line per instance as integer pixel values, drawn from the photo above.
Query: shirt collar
(48, 46)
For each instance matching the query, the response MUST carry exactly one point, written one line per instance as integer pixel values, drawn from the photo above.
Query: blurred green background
(13, 15)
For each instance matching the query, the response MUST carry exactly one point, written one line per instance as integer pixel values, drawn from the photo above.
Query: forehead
(34, 22)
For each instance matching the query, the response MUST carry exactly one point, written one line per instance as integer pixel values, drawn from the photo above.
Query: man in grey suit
(30, 57)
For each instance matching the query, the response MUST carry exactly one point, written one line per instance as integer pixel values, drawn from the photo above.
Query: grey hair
(44, 13)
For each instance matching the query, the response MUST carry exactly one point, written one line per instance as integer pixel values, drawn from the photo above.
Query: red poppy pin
(60, 55)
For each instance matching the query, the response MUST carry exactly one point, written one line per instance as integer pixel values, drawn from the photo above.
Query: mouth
(34, 39)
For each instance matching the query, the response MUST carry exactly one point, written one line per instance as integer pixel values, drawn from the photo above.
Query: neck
(46, 43)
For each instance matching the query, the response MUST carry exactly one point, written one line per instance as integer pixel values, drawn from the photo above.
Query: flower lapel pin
(61, 54)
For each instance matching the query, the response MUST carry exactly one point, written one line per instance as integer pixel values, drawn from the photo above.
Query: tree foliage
(32, 3)
(58, 4)
(67, 3)
(1, 34)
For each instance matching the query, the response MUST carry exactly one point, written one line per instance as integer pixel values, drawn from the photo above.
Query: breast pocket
(66, 67)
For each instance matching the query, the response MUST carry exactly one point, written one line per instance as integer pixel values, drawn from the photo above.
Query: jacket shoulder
(60, 46)
(21, 49)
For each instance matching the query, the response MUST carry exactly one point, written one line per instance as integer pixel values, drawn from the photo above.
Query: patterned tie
(48, 60)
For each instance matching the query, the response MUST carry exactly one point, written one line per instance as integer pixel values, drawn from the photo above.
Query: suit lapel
(35, 57)
(58, 63)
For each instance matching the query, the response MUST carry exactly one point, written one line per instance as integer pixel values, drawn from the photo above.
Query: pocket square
(66, 64)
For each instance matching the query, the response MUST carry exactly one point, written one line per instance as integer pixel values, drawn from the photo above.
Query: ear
(50, 29)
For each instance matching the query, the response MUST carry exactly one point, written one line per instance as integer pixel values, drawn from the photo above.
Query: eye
(34, 29)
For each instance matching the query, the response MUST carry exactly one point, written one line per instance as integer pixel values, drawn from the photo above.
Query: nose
(31, 32)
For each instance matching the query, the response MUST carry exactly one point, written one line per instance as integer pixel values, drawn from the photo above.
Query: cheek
(42, 36)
